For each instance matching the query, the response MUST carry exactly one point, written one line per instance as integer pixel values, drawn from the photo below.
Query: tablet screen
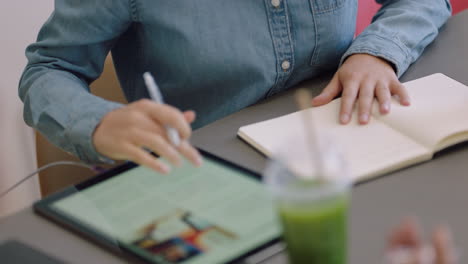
(211, 214)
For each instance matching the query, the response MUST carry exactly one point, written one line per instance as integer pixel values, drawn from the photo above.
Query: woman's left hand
(360, 79)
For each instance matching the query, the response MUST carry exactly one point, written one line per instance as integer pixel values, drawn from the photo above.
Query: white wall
(20, 21)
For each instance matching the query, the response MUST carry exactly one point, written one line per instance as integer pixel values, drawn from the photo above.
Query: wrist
(370, 57)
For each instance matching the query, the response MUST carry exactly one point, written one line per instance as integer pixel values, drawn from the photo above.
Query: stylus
(156, 96)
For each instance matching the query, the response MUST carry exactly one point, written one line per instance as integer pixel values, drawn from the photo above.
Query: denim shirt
(212, 56)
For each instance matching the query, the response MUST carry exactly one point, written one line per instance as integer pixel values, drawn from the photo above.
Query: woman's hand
(406, 239)
(124, 132)
(360, 79)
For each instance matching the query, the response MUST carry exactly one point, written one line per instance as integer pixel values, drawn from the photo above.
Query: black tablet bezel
(42, 208)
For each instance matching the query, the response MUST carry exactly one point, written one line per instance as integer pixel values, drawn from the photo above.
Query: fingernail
(386, 107)
(165, 169)
(344, 118)
(198, 161)
(364, 118)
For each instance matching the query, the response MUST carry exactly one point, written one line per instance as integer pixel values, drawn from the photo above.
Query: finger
(138, 155)
(366, 97)
(398, 89)
(404, 256)
(384, 97)
(158, 145)
(329, 93)
(350, 90)
(144, 122)
(407, 234)
(148, 124)
(189, 116)
(443, 246)
(168, 115)
(190, 153)
(174, 118)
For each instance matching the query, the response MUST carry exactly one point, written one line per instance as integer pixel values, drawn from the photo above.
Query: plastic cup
(312, 209)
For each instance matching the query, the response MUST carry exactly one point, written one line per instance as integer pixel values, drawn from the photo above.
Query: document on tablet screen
(193, 215)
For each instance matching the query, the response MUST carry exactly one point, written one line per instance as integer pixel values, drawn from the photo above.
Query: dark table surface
(436, 191)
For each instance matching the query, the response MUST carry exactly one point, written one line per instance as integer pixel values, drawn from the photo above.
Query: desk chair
(57, 178)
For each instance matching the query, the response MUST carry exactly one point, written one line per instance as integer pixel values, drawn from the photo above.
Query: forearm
(401, 30)
(69, 54)
(58, 104)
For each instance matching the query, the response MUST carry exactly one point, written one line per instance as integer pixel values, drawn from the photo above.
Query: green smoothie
(315, 231)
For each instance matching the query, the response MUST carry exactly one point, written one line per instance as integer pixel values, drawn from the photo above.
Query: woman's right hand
(124, 132)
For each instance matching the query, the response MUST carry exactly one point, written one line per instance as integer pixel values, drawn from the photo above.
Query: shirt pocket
(324, 6)
(335, 25)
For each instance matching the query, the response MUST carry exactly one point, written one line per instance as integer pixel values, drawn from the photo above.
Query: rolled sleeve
(69, 55)
(81, 132)
(401, 30)
(390, 49)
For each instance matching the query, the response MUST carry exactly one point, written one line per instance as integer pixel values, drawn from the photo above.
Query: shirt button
(275, 3)
(285, 65)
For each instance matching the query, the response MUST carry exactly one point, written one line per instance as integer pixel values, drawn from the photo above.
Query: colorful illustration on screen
(180, 236)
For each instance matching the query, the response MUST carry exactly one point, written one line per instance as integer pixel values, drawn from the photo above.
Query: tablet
(218, 213)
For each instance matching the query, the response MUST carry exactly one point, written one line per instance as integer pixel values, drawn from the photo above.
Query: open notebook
(436, 119)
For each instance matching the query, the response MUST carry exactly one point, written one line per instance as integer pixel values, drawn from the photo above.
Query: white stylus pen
(156, 96)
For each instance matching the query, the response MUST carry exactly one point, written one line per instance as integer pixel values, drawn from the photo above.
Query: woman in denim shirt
(212, 56)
